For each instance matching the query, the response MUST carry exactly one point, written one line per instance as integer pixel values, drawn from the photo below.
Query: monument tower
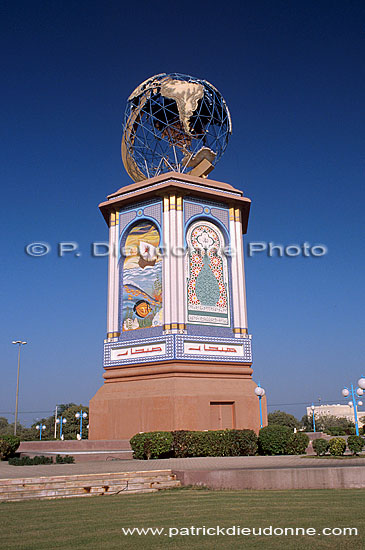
(177, 353)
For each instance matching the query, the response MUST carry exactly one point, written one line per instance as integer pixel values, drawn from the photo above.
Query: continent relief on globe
(187, 96)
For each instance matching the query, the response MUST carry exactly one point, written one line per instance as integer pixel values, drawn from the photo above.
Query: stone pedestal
(175, 396)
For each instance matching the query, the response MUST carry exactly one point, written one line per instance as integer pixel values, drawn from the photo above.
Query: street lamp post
(40, 427)
(260, 392)
(81, 415)
(355, 398)
(314, 420)
(20, 344)
(61, 421)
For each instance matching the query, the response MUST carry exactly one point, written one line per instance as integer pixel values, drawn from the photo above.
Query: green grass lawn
(96, 522)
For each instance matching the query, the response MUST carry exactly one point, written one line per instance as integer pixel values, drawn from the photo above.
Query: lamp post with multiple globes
(61, 421)
(81, 415)
(40, 427)
(355, 394)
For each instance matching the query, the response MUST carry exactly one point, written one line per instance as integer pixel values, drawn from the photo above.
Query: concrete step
(77, 491)
(86, 485)
(106, 484)
(83, 477)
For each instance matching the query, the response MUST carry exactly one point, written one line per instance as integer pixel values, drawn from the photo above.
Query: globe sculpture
(174, 122)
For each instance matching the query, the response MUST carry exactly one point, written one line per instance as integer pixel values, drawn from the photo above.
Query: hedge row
(36, 460)
(182, 444)
(272, 440)
(337, 445)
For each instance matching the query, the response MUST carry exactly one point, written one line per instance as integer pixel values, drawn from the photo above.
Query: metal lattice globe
(174, 122)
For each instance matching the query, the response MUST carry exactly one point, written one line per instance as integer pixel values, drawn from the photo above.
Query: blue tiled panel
(168, 340)
(195, 208)
(175, 349)
(246, 342)
(148, 209)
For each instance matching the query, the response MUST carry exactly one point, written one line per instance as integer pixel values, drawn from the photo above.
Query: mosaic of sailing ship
(142, 279)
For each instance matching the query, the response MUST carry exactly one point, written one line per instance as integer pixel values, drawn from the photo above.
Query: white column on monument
(241, 271)
(173, 264)
(166, 264)
(115, 255)
(180, 262)
(110, 316)
(113, 276)
(234, 271)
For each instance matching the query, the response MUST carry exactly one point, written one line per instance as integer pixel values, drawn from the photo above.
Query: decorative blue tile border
(151, 210)
(194, 209)
(175, 349)
(200, 201)
(167, 340)
(245, 342)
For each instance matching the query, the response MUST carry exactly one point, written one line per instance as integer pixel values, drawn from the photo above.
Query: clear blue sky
(292, 74)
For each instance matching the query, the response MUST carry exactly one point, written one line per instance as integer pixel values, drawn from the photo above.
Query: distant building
(341, 411)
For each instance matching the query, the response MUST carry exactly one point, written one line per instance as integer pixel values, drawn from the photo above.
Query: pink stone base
(125, 407)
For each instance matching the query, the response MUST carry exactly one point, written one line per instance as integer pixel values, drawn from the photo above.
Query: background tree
(7, 428)
(307, 423)
(282, 418)
(72, 426)
(69, 430)
(64, 406)
(326, 422)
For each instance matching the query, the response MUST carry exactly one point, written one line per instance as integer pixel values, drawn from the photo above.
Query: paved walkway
(206, 463)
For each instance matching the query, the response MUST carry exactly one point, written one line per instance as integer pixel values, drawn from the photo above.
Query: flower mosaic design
(207, 279)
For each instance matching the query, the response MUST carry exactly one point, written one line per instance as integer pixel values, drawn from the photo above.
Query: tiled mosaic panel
(207, 276)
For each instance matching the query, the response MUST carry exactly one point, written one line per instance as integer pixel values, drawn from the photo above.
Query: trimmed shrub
(8, 446)
(355, 443)
(214, 443)
(209, 443)
(182, 444)
(274, 439)
(337, 446)
(148, 445)
(66, 459)
(27, 461)
(320, 446)
(297, 444)
(244, 443)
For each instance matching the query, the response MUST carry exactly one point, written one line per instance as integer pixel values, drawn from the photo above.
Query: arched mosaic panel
(142, 278)
(206, 275)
